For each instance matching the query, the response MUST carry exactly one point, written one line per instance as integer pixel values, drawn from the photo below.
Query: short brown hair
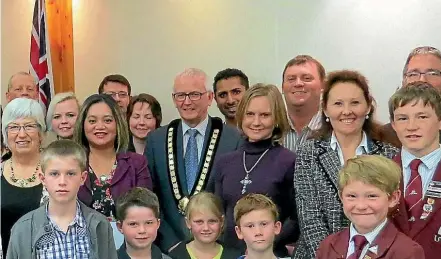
(252, 202)
(138, 196)
(64, 148)
(115, 79)
(154, 106)
(414, 92)
(376, 170)
(370, 126)
(302, 59)
(277, 108)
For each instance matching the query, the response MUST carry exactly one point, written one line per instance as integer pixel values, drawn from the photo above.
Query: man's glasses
(193, 96)
(430, 74)
(29, 128)
(119, 94)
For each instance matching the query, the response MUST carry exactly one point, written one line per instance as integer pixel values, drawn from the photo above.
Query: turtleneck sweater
(272, 176)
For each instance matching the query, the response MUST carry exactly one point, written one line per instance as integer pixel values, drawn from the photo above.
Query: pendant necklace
(246, 181)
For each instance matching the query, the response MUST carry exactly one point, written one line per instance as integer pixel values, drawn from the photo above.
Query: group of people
(305, 172)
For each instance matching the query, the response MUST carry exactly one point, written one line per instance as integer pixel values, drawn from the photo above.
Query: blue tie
(191, 159)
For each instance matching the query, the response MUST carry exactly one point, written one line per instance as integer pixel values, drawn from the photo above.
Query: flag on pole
(40, 65)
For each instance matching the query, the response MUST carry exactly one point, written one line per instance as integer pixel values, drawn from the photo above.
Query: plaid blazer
(319, 208)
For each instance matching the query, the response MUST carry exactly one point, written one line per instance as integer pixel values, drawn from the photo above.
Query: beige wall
(151, 41)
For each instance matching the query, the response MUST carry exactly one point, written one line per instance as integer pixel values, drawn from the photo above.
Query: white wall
(151, 41)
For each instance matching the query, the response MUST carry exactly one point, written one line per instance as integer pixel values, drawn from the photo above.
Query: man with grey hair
(22, 84)
(181, 154)
(422, 64)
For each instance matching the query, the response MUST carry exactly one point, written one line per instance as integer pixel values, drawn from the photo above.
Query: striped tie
(414, 192)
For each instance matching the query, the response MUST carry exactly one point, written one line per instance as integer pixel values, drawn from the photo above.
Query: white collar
(201, 127)
(370, 237)
(363, 144)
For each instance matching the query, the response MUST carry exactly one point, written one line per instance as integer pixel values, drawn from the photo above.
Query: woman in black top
(21, 190)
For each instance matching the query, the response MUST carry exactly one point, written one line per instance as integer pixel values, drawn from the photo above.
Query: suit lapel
(436, 207)
(180, 159)
(382, 242)
(207, 139)
(121, 168)
(400, 214)
(330, 162)
(340, 243)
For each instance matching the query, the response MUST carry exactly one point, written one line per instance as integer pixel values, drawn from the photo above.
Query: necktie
(414, 192)
(191, 159)
(359, 243)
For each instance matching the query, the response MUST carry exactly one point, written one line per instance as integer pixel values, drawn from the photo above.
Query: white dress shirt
(200, 137)
(361, 149)
(426, 170)
(370, 237)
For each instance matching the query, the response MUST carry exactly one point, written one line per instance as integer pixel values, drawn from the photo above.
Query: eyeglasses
(193, 96)
(416, 75)
(29, 128)
(119, 94)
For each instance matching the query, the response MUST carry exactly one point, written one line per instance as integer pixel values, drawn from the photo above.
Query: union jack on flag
(40, 65)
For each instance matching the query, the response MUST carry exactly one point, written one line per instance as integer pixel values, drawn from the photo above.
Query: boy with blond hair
(63, 227)
(369, 188)
(257, 223)
(415, 112)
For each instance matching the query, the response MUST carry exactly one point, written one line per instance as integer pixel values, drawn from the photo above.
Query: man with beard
(303, 79)
(228, 87)
(422, 64)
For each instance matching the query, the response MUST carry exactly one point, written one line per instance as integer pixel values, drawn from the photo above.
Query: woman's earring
(327, 119)
(367, 116)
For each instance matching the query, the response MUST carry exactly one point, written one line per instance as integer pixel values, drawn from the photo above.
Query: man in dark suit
(181, 154)
(423, 64)
(416, 114)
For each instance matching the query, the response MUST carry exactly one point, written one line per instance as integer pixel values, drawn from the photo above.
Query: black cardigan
(180, 252)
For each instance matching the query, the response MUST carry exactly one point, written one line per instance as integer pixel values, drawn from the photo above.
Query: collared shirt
(361, 149)
(293, 139)
(426, 170)
(56, 244)
(370, 237)
(200, 137)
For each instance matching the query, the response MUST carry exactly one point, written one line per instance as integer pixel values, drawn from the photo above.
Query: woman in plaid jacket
(347, 130)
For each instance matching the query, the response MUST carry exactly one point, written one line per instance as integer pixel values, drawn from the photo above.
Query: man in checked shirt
(64, 227)
(302, 86)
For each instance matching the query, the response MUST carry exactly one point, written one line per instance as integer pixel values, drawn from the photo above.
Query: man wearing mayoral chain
(181, 154)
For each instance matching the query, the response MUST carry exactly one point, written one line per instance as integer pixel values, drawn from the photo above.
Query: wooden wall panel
(60, 27)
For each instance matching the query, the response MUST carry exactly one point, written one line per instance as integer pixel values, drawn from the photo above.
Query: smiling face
(63, 178)
(346, 108)
(417, 127)
(142, 121)
(229, 92)
(302, 84)
(139, 227)
(366, 206)
(22, 86)
(205, 226)
(23, 136)
(192, 111)
(64, 118)
(258, 121)
(258, 229)
(100, 125)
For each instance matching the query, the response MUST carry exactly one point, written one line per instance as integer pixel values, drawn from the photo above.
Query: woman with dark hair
(143, 115)
(102, 129)
(347, 130)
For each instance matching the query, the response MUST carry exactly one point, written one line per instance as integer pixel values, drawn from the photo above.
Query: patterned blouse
(101, 196)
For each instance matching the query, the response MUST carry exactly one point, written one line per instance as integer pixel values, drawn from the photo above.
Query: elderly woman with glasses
(21, 190)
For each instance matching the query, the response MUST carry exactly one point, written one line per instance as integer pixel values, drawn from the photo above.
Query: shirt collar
(314, 123)
(201, 127)
(370, 237)
(78, 220)
(428, 160)
(363, 144)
